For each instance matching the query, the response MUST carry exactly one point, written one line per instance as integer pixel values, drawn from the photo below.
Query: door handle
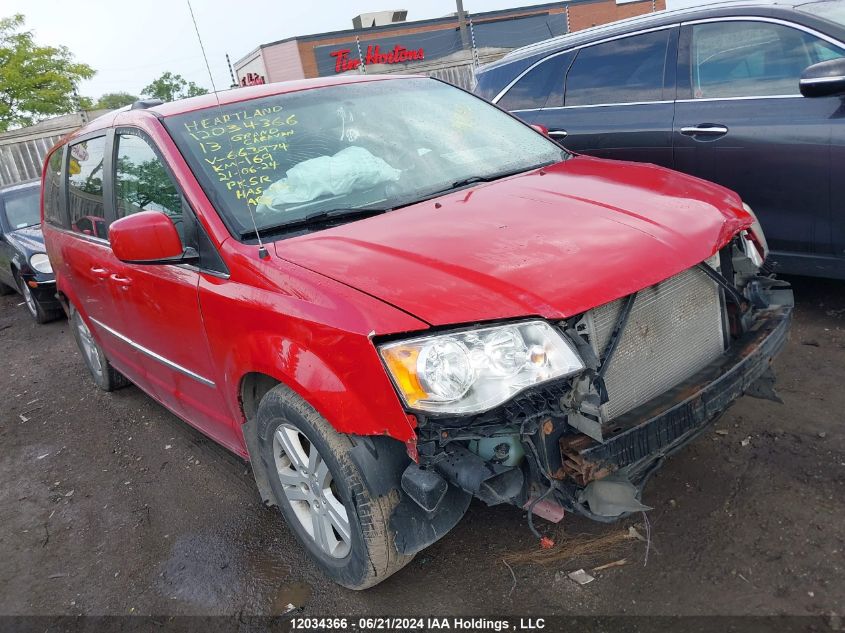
(558, 133)
(123, 281)
(99, 273)
(704, 130)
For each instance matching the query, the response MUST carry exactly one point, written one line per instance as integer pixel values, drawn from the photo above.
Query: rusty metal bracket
(580, 470)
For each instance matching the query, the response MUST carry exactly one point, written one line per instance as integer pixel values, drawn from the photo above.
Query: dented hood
(551, 242)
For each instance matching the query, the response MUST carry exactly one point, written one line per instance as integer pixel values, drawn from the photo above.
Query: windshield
(375, 144)
(21, 208)
(831, 10)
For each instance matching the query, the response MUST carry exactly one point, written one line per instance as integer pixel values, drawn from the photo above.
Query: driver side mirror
(824, 79)
(148, 237)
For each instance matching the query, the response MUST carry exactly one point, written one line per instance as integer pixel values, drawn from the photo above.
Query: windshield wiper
(496, 176)
(318, 218)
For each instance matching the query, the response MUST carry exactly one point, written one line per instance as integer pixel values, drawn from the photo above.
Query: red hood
(551, 242)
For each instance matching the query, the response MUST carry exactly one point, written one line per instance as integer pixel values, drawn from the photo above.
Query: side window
(752, 59)
(620, 71)
(53, 211)
(490, 82)
(85, 187)
(540, 87)
(142, 183)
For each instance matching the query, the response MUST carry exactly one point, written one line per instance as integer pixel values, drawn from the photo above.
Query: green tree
(143, 184)
(114, 100)
(170, 87)
(35, 81)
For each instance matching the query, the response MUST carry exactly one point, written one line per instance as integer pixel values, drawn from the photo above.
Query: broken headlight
(757, 237)
(474, 370)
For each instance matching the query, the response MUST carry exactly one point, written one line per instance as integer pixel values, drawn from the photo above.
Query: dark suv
(719, 92)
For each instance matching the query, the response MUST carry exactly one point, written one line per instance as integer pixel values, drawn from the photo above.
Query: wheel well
(67, 306)
(253, 387)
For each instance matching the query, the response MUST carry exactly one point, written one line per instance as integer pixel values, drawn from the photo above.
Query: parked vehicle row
(391, 309)
(744, 94)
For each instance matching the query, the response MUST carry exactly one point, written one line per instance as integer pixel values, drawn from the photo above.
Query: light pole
(462, 25)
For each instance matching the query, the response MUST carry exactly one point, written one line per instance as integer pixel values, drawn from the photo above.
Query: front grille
(675, 328)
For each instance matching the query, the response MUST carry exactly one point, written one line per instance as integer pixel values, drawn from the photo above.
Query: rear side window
(540, 87)
(752, 59)
(141, 181)
(53, 211)
(491, 82)
(85, 187)
(620, 71)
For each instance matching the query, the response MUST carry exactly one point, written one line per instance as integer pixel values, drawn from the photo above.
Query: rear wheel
(323, 496)
(105, 376)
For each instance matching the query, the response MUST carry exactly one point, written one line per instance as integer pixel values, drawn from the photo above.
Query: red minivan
(391, 297)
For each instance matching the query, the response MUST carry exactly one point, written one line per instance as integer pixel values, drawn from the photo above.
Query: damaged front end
(658, 367)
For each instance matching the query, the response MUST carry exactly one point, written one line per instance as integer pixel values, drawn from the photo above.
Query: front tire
(322, 494)
(35, 309)
(105, 376)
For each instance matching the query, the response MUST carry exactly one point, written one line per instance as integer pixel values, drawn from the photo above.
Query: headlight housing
(41, 263)
(475, 370)
(757, 235)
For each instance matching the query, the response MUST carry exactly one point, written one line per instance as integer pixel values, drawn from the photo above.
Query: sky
(131, 43)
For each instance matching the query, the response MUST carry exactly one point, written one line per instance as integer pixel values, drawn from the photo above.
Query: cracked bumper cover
(640, 440)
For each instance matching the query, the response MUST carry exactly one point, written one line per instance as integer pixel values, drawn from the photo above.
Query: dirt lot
(110, 505)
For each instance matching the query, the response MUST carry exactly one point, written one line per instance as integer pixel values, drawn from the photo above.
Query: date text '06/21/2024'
(421, 624)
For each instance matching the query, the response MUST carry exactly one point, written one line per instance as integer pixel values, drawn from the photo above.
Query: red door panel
(161, 316)
(87, 267)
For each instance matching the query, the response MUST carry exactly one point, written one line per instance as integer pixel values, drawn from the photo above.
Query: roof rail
(143, 104)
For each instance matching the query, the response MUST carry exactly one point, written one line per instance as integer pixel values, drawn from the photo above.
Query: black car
(747, 95)
(24, 265)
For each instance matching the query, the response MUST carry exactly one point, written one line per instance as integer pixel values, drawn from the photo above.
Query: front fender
(339, 374)
(313, 335)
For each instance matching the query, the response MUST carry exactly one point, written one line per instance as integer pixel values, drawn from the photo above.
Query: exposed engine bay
(660, 366)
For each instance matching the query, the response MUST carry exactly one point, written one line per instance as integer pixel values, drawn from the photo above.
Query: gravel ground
(111, 505)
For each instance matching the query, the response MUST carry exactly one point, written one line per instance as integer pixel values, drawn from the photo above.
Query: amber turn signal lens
(402, 363)
(32, 284)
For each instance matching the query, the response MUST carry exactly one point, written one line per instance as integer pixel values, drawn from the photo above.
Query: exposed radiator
(675, 328)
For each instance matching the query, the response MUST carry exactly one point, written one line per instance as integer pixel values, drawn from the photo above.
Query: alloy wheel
(29, 299)
(310, 489)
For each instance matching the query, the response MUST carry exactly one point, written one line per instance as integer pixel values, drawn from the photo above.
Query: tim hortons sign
(399, 54)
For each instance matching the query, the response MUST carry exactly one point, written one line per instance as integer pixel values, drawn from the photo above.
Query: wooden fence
(22, 151)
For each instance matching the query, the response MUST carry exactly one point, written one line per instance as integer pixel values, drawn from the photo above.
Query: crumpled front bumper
(644, 437)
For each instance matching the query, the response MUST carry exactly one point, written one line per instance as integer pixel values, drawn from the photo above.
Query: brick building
(446, 47)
